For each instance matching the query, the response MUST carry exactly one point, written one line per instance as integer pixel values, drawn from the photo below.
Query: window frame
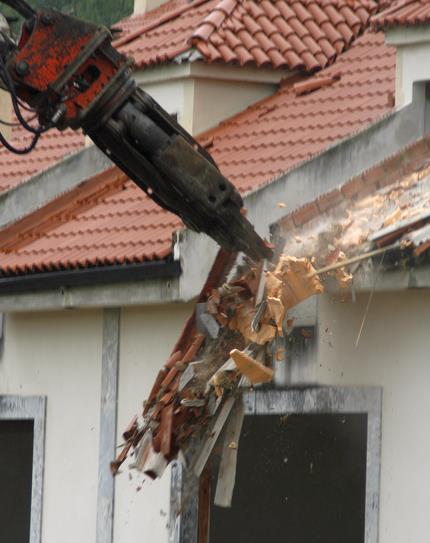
(30, 408)
(185, 486)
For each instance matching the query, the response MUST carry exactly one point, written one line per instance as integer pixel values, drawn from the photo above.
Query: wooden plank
(213, 434)
(227, 468)
(255, 371)
(204, 505)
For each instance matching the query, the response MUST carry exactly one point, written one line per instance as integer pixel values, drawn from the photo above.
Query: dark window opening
(300, 479)
(16, 467)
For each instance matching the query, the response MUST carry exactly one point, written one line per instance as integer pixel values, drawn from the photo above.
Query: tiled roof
(52, 147)
(288, 33)
(136, 22)
(291, 126)
(299, 121)
(294, 34)
(299, 34)
(404, 13)
(109, 220)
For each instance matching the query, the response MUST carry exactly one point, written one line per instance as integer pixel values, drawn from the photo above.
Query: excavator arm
(68, 73)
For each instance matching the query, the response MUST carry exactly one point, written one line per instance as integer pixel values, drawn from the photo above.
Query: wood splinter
(250, 368)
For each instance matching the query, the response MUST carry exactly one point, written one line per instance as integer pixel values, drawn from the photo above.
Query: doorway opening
(300, 478)
(22, 445)
(16, 470)
(308, 465)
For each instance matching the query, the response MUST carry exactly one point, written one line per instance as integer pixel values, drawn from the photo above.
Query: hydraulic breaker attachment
(69, 74)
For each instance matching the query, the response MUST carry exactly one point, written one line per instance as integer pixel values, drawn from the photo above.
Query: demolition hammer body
(68, 73)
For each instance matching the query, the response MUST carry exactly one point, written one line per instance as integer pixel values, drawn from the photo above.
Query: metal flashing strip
(396, 230)
(108, 424)
(100, 275)
(31, 408)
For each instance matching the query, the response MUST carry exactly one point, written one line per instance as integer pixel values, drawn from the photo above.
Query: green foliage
(104, 12)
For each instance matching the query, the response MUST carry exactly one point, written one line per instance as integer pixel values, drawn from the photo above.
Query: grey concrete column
(108, 424)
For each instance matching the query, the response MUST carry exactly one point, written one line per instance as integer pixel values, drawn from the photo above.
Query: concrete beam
(368, 278)
(407, 35)
(108, 425)
(121, 295)
(50, 183)
(171, 72)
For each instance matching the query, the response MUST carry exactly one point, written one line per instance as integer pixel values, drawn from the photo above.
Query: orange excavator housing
(67, 73)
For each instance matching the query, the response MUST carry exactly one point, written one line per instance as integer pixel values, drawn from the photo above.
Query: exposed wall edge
(320, 174)
(133, 293)
(57, 179)
(89, 276)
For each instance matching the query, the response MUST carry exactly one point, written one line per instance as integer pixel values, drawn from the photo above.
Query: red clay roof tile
(203, 24)
(110, 221)
(403, 13)
(52, 147)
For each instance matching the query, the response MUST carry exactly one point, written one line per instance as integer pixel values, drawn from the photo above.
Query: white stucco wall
(147, 337)
(393, 352)
(169, 94)
(58, 355)
(413, 49)
(217, 100)
(412, 65)
(202, 96)
(201, 104)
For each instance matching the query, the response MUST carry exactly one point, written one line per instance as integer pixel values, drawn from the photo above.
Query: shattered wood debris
(225, 347)
(252, 369)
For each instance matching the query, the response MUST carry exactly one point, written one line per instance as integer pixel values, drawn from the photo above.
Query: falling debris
(227, 468)
(250, 368)
(237, 333)
(292, 282)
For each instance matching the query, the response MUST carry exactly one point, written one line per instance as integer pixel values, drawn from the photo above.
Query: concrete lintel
(50, 183)
(171, 72)
(408, 35)
(157, 74)
(238, 73)
(368, 279)
(122, 294)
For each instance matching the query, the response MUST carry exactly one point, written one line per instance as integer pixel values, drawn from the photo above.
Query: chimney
(143, 6)
(412, 58)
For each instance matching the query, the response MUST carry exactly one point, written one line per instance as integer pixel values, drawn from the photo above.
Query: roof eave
(110, 286)
(101, 275)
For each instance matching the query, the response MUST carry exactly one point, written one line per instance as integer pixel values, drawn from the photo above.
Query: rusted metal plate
(420, 239)
(387, 235)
